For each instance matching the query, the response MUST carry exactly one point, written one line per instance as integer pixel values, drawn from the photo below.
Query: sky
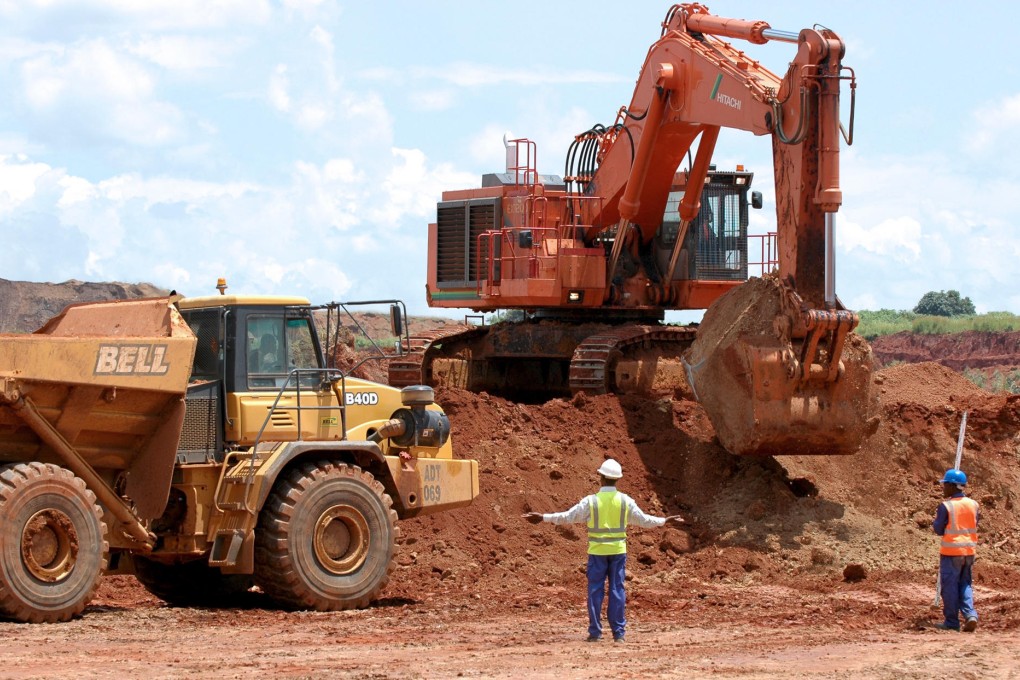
(299, 146)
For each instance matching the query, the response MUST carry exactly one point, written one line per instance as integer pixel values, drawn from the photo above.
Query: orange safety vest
(960, 537)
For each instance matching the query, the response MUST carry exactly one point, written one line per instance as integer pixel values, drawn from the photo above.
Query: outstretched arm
(576, 514)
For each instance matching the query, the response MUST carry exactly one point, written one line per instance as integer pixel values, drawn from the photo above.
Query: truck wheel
(53, 546)
(191, 584)
(326, 538)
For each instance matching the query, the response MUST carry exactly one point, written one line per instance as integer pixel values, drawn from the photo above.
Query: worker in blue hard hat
(956, 521)
(607, 514)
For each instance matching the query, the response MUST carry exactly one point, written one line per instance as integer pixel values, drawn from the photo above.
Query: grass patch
(998, 381)
(888, 321)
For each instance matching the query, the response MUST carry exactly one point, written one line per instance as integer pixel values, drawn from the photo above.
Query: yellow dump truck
(207, 446)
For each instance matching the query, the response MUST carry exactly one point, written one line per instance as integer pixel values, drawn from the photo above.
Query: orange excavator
(585, 266)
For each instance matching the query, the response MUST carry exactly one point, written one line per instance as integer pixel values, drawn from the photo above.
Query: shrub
(944, 303)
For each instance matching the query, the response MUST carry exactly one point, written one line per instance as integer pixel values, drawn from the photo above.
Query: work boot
(618, 638)
(946, 626)
(592, 638)
(970, 625)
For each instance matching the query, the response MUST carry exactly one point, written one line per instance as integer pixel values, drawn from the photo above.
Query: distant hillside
(26, 306)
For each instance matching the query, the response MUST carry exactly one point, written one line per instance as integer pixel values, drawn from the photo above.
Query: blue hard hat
(955, 477)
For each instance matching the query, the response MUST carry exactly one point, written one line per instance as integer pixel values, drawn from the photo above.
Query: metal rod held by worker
(959, 441)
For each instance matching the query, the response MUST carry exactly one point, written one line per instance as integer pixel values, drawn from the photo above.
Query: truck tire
(53, 547)
(191, 584)
(326, 538)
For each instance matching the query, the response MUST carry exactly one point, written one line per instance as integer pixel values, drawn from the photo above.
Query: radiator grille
(459, 223)
(199, 434)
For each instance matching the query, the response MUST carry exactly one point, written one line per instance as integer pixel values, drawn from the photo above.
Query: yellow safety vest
(960, 537)
(607, 523)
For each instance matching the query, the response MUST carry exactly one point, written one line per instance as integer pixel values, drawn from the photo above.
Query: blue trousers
(957, 591)
(601, 568)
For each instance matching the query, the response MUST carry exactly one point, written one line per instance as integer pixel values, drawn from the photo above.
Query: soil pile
(790, 520)
(26, 306)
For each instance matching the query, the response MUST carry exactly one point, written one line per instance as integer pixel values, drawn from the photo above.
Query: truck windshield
(276, 346)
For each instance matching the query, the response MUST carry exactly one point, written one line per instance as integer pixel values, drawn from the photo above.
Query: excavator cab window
(721, 232)
(671, 218)
(718, 235)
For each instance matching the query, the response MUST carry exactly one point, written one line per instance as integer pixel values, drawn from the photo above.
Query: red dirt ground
(754, 587)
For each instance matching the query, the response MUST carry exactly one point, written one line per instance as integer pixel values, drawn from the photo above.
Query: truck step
(226, 548)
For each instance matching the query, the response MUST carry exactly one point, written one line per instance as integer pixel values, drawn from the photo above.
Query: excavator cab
(718, 237)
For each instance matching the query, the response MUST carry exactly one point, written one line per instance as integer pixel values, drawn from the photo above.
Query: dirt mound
(793, 520)
(26, 306)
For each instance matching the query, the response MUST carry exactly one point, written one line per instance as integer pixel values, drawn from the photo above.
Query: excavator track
(543, 360)
(591, 368)
(415, 366)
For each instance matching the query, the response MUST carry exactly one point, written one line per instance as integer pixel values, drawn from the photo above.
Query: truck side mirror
(756, 200)
(396, 321)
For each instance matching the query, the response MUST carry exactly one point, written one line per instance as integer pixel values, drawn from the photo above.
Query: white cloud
(432, 100)
(863, 301)
(369, 119)
(324, 39)
(304, 8)
(313, 116)
(92, 89)
(184, 52)
(278, 93)
(18, 178)
(155, 14)
(552, 132)
(898, 238)
(996, 126)
(474, 75)
(413, 188)
(331, 194)
(76, 190)
(321, 100)
(486, 147)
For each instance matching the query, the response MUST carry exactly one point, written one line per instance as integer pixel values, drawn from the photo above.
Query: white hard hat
(611, 469)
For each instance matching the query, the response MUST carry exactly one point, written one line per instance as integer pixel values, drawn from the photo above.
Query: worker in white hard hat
(607, 514)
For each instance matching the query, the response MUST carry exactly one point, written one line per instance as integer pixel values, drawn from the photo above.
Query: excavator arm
(693, 84)
(775, 363)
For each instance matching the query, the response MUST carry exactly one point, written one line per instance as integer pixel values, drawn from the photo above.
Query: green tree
(944, 303)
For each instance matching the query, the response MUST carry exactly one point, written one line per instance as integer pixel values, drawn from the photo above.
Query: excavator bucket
(776, 379)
